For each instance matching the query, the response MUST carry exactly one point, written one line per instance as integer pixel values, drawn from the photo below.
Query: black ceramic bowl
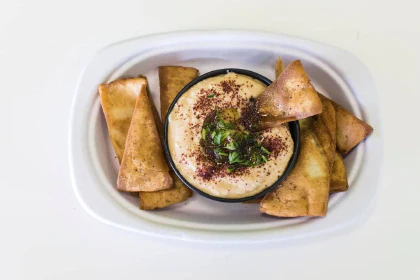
(293, 126)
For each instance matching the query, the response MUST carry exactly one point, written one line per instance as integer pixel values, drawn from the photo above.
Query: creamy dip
(184, 133)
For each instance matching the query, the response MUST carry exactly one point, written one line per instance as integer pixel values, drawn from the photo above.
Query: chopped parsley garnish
(210, 96)
(228, 143)
(265, 150)
(217, 138)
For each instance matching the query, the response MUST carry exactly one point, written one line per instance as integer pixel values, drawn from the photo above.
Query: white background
(44, 232)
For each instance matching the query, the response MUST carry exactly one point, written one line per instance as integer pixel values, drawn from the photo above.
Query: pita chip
(171, 81)
(279, 66)
(338, 181)
(164, 198)
(290, 97)
(305, 191)
(118, 100)
(143, 167)
(325, 129)
(350, 129)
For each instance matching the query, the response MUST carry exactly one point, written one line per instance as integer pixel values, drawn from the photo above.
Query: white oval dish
(94, 167)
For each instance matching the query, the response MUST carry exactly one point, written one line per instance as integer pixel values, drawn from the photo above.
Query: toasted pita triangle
(325, 129)
(164, 198)
(290, 97)
(118, 100)
(338, 182)
(143, 167)
(171, 80)
(279, 66)
(305, 191)
(350, 129)
(339, 175)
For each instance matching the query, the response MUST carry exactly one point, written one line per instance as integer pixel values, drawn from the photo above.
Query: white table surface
(45, 234)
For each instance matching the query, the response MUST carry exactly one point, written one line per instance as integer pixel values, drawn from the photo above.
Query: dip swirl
(213, 143)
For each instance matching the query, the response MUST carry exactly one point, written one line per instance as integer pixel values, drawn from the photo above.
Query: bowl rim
(293, 127)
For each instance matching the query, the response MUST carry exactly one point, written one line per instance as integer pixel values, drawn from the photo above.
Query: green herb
(225, 134)
(210, 96)
(203, 133)
(220, 152)
(232, 157)
(265, 150)
(231, 146)
(247, 163)
(217, 138)
(221, 124)
(227, 142)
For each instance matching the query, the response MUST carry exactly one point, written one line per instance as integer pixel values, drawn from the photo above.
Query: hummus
(185, 139)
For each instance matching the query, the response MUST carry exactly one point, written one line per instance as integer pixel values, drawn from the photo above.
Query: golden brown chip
(272, 122)
(164, 198)
(143, 167)
(305, 191)
(350, 129)
(171, 80)
(338, 182)
(279, 66)
(339, 175)
(290, 97)
(118, 100)
(325, 129)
